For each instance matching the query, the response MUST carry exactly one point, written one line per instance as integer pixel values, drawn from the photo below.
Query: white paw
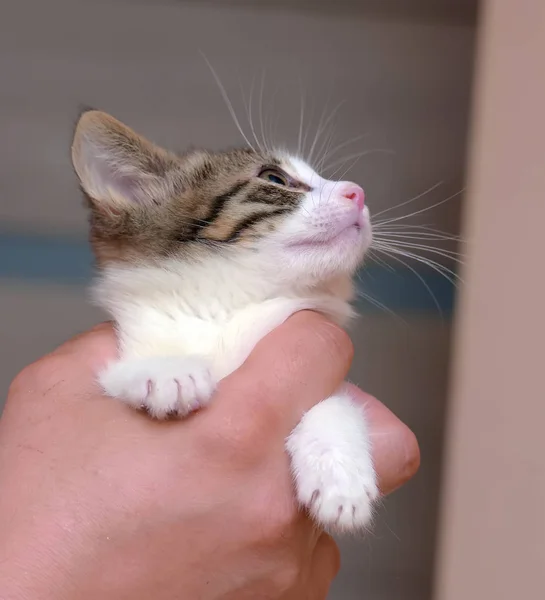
(337, 494)
(164, 386)
(332, 465)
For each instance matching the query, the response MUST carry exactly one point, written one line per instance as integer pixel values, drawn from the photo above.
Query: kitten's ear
(117, 167)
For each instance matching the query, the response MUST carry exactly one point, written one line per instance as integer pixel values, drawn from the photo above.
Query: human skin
(99, 501)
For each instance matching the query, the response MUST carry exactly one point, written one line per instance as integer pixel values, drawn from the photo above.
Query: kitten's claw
(337, 502)
(163, 386)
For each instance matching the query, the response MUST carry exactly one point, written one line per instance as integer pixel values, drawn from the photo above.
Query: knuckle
(328, 339)
(339, 343)
(20, 382)
(239, 439)
(38, 382)
(38, 374)
(263, 417)
(234, 443)
(252, 420)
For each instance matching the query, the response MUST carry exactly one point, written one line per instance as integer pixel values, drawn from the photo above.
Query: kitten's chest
(168, 330)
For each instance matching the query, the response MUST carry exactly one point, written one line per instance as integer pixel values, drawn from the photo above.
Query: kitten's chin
(350, 235)
(320, 259)
(347, 238)
(346, 247)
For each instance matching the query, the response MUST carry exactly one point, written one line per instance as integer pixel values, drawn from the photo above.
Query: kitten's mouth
(352, 232)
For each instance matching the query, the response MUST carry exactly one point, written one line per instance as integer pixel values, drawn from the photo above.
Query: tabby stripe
(218, 204)
(277, 199)
(251, 221)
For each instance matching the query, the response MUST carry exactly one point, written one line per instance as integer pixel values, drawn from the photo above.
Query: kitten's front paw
(338, 495)
(332, 465)
(164, 386)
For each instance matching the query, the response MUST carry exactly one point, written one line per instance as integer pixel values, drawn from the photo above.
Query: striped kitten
(200, 256)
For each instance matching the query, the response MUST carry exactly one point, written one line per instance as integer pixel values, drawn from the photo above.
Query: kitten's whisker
(331, 153)
(424, 233)
(345, 170)
(422, 210)
(445, 274)
(442, 269)
(328, 138)
(350, 167)
(249, 112)
(451, 255)
(228, 102)
(413, 229)
(413, 199)
(275, 122)
(305, 138)
(300, 149)
(379, 260)
(321, 128)
(353, 140)
(408, 240)
(359, 155)
(324, 152)
(378, 304)
(407, 226)
(416, 237)
(262, 91)
(271, 125)
(308, 155)
(424, 283)
(317, 135)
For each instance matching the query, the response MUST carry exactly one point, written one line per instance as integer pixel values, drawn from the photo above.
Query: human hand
(99, 501)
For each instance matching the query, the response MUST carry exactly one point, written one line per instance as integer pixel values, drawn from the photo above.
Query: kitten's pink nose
(355, 193)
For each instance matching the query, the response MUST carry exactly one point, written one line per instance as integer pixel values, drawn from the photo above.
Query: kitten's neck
(213, 292)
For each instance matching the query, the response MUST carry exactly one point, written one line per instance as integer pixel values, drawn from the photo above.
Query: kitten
(200, 256)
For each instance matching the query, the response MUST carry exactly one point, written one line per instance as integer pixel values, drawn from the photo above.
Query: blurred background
(404, 78)
(403, 71)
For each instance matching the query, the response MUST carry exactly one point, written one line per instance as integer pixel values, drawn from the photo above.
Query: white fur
(186, 325)
(333, 474)
(165, 385)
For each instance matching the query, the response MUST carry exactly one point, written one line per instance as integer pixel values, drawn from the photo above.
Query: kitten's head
(151, 206)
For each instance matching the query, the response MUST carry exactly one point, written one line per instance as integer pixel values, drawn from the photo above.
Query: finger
(66, 378)
(89, 350)
(395, 448)
(293, 368)
(326, 562)
(94, 348)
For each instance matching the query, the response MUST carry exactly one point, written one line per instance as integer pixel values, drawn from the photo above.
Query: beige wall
(493, 526)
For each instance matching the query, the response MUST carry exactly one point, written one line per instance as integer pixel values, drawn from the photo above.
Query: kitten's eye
(274, 176)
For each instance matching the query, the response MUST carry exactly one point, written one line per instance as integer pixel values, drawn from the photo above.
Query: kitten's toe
(164, 386)
(336, 503)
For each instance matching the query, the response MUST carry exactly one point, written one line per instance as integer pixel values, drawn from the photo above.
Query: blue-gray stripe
(56, 259)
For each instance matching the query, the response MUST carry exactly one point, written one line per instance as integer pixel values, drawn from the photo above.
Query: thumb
(300, 363)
